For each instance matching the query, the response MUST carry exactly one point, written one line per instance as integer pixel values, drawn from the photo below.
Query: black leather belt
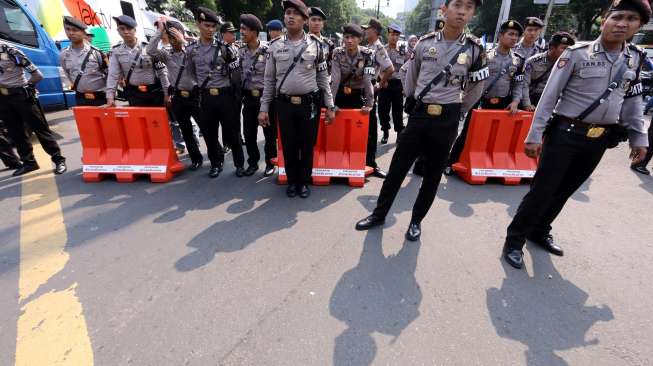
(589, 130)
(91, 95)
(305, 99)
(214, 92)
(435, 110)
(149, 88)
(6, 91)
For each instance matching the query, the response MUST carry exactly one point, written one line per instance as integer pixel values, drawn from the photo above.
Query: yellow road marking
(51, 328)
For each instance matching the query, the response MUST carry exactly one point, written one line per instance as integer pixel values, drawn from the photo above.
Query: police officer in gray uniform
(384, 71)
(19, 109)
(538, 68)
(591, 102)
(252, 55)
(216, 69)
(84, 65)
(296, 79)
(352, 72)
(444, 79)
(183, 89)
(528, 47)
(392, 97)
(145, 79)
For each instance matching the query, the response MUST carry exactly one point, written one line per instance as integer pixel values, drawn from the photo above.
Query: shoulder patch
(365, 50)
(578, 46)
(117, 45)
(427, 36)
(472, 38)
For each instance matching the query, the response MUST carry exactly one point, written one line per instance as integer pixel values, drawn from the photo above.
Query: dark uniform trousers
(567, 160)
(535, 99)
(19, 111)
(424, 135)
(392, 98)
(153, 97)
(251, 107)
(353, 100)
(373, 135)
(215, 111)
(183, 108)
(7, 154)
(649, 151)
(298, 131)
(95, 99)
(484, 103)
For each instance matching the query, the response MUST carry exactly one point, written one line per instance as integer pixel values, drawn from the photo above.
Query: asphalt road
(231, 272)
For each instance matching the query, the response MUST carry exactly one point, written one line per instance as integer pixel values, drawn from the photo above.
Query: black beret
(534, 22)
(297, 5)
(374, 24)
(643, 7)
(176, 25)
(207, 15)
(353, 29)
(73, 22)
(314, 11)
(228, 27)
(126, 20)
(251, 21)
(563, 38)
(275, 24)
(511, 24)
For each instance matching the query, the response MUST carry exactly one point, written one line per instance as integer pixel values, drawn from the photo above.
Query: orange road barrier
(494, 148)
(125, 142)
(339, 151)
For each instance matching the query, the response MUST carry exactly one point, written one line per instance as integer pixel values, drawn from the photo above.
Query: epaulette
(518, 56)
(427, 36)
(274, 40)
(117, 45)
(474, 39)
(636, 48)
(191, 43)
(316, 38)
(365, 50)
(578, 46)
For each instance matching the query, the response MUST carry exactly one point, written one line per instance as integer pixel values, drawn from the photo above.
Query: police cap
(559, 38)
(534, 22)
(314, 11)
(228, 27)
(297, 5)
(353, 29)
(374, 24)
(643, 7)
(207, 15)
(73, 22)
(511, 24)
(126, 20)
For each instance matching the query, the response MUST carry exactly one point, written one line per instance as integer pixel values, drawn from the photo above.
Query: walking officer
(538, 68)
(145, 79)
(19, 108)
(352, 73)
(183, 90)
(296, 79)
(216, 69)
(84, 65)
(316, 21)
(504, 86)
(436, 100)
(252, 55)
(392, 97)
(528, 47)
(7, 154)
(384, 71)
(591, 102)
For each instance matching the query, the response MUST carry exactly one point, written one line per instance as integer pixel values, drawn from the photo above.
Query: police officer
(275, 29)
(19, 109)
(84, 65)
(316, 21)
(504, 86)
(216, 69)
(145, 79)
(228, 34)
(538, 68)
(252, 55)
(528, 47)
(352, 72)
(436, 101)
(392, 97)
(600, 106)
(183, 89)
(384, 71)
(7, 154)
(296, 78)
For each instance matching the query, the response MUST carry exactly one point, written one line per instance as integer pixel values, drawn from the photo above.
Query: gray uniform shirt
(469, 71)
(362, 67)
(224, 73)
(398, 56)
(580, 76)
(94, 77)
(309, 75)
(526, 53)
(13, 64)
(381, 59)
(173, 61)
(536, 73)
(512, 79)
(146, 70)
(253, 66)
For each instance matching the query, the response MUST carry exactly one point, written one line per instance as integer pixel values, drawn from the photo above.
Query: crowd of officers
(291, 78)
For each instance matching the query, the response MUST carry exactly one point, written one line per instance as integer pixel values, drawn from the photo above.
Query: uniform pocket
(593, 72)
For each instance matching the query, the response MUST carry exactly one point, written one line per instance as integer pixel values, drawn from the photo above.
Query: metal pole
(549, 9)
(378, 8)
(503, 16)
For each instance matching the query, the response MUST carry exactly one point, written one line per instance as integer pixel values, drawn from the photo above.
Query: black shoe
(384, 139)
(240, 172)
(514, 257)
(226, 150)
(369, 222)
(304, 192)
(640, 169)
(548, 244)
(251, 170)
(414, 232)
(418, 169)
(291, 191)
(60, 167)
(214, 172)
(24, 169)
(194, 166)
(379, 173)
(448, 171)
(14, 166)
(269, 170)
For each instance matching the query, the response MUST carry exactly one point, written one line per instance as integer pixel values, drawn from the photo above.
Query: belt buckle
(4, 91)
(89, 96)
(184, 93)
(347, 90)
(214, 91)
(434, 110)
(256, 93)
(296, 100)
(595, 132)
(142, 88)
(494, 100)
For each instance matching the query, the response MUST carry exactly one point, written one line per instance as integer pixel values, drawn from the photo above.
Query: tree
(192, 5)
(587, 14)
(231, 10)
(178, 9)
(338, 12)
(418, 20)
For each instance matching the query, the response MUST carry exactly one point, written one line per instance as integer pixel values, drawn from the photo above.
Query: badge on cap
(202, 16)
(462, 58)
(631, 63)
(564, 40)
(433, 51)
(511, 24)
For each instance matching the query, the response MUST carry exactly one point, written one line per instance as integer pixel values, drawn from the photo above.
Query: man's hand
(533, 150)
(161, 23)
(383, 84)
(174, 32)
(330, 116)
(264, 119)
(513, 108)
(637, 155)
(110, 103)
(167, 100)
(366, 109)
(530, 108)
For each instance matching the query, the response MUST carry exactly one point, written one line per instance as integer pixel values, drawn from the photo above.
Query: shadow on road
(647, 182)
(545, 312)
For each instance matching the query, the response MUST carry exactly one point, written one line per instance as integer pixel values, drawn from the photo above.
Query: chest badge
(360, 64)
(631, 63)
(261, 58)
(462, 59)
(4, 56)
(433, 51)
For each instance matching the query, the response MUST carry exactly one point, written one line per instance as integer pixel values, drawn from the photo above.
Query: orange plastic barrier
(339, 151)
(494, 148)
(125, 142)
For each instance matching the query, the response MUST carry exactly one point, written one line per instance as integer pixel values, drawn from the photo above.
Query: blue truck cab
(21, 29)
